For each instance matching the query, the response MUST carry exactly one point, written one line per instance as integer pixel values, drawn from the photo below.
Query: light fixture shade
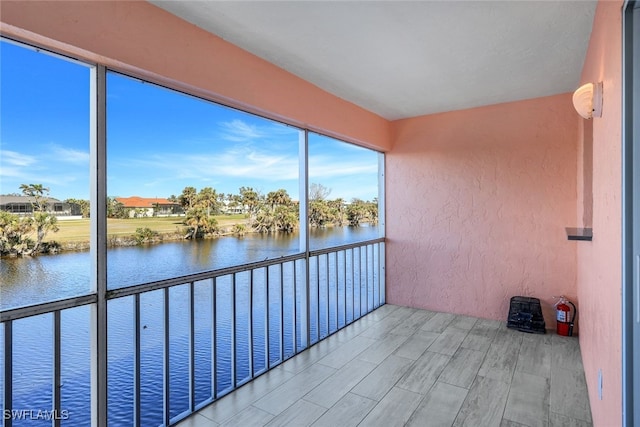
(587, 100)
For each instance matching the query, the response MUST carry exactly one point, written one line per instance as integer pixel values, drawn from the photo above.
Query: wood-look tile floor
(405, 367)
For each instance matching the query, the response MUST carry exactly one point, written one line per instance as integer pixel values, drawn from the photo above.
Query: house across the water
(150, 206)
(23, 205)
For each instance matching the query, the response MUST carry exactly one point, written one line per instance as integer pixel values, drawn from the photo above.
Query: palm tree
(286, 218)
(44, 222)
(319, 213)
(14, 234)
(195, 218)
(82, 204)
(356, 212)
(278, 198)
(208, 197)
(250, 199)
(210, 226)
(188, 198)
(337, 211)
(39, 194)
(264, 222)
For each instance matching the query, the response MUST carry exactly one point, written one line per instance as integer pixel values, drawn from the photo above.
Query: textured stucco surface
(477, 204)
(599, 262)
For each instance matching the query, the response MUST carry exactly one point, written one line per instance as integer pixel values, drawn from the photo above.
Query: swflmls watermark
(35, 414)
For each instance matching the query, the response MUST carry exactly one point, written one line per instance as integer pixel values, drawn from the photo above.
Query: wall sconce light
(587, 100)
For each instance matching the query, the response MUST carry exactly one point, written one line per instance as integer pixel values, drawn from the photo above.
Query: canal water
(29, 280)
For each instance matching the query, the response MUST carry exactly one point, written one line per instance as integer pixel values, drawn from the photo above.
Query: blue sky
(158, 141)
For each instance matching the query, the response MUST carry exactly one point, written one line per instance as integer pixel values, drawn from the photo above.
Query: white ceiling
(408, 58)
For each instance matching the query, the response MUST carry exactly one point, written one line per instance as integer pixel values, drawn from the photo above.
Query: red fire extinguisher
(564, 318)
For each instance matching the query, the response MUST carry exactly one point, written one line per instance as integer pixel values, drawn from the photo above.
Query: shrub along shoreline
(74, 235)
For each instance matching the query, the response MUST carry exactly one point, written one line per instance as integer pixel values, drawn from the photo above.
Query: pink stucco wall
(478, 201)
(142, 39)
(599, 262)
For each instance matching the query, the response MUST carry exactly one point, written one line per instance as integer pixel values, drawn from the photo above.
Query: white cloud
(69, 155)
(47, 168)
(16, 159)
(240, 131)
(326, 166)
(237, 130)
(236, 162)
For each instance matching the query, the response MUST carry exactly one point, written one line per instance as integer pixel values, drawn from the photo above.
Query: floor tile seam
(364, 417)
(419, 356)
(378, 365)
(528, 372)
(412, 391)
(294, 377)
(319, 362)
(569, 416)
(285, 409)
(427, 394)
(318, 385)
(289, 407)
(206, 419)
(198, 412)
(328, 378)
(291, 379)
(226, 420)
(380, 401)
(463, 402)
(509, 386)
(400, 377)
(396, 307)
(382, 361)
(518, 423)
(266, 410)
(319, 404)
(366, 328)
(439, 380)
(573, 367)
(437, 330)
(361, 395)
(413, 331)
(251, 402)
(484, 359)
(460, 329)
(447, 354)
(419, 403)
(432, 342)
(484, 376)
(392, 352)
(560, 342)
(547, 405)
(457, 385)
(573, 417)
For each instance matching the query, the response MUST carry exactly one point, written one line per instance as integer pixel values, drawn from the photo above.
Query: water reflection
(27, 281)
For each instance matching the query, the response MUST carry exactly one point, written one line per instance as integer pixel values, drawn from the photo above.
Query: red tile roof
(143, 202)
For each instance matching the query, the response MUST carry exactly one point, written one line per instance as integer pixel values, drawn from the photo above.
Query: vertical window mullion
(303, 160)
(381, 227)
(98, 189)
(137, 416)
(8, 369)
(57, 367)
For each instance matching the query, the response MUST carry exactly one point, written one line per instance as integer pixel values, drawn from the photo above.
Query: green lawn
(77, 230)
